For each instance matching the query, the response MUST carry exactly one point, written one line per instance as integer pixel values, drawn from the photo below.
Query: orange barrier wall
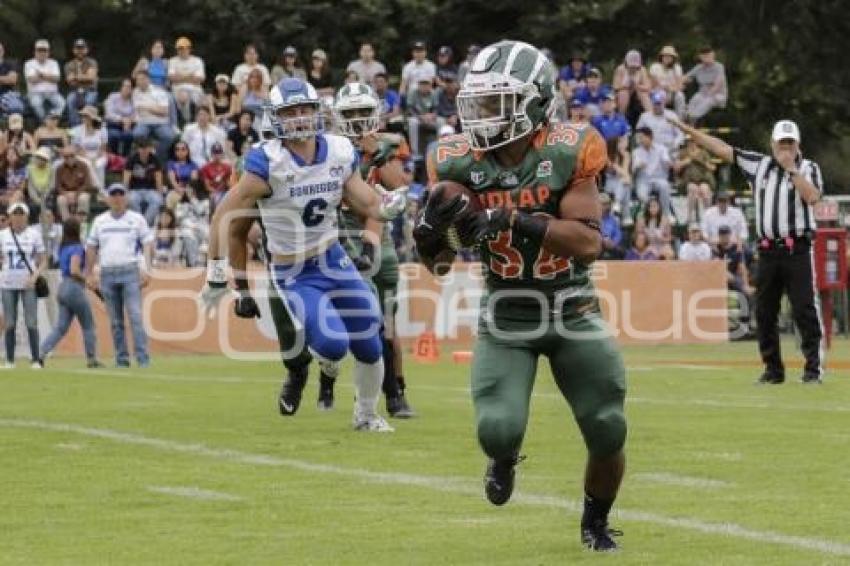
(644, 302)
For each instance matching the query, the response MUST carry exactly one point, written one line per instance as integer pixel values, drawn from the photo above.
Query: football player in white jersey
(297, 181)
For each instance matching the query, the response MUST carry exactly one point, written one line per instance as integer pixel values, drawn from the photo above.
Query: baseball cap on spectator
(18, 207)
(16, 122)
(446, 130)
(419, 44)
(42, 44)
(320, 54)
(116, 188)
(576, 103)
(445, 50)
(216, 149)
(80, 43)
(609, 95)
(633, 58)
(658, 97)
(724, 229)
(785, 130)
(645, 131)
(222, 77)
(42, 153)
(594, 72)
(54, 114)
(290, 50)
(91, 112)
(423, 75)
(183, 42)
(668, 50)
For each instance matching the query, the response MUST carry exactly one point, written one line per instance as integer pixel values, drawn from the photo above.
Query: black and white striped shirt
(780, 210)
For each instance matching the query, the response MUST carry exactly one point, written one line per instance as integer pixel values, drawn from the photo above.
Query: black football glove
(485, 225)
(245, 306)
(437, 215)
(364, 261)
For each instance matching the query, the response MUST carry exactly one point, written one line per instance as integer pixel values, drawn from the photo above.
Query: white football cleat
(372, 423)
(8, 365)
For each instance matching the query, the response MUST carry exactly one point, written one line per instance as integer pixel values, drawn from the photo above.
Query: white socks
(329, 368)
(367, 387)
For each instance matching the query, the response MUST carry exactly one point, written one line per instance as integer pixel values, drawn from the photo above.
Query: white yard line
(462, 486)
(681, 481)
(192, 492)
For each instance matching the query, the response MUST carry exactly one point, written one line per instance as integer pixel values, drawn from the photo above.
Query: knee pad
(499, 435)
(604, 431)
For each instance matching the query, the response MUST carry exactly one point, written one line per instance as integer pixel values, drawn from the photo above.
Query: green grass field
(188, 462)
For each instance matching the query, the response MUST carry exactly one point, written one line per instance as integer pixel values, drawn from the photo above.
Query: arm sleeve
(815, 176)
(747, 161)
(257, 163)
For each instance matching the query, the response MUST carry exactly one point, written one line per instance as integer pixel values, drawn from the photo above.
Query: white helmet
(356, 110)
(288, 93)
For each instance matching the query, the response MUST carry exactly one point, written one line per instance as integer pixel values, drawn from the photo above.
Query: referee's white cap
(785, 130)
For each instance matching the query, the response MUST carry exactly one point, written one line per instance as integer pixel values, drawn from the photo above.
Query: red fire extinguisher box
(831, 258)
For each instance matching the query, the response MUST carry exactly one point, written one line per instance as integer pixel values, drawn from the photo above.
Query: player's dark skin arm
(569, 235)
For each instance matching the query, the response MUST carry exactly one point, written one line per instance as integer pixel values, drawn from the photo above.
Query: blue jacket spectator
(593, 92)
(610, 123)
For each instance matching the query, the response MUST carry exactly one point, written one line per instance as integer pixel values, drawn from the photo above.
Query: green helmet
(508, 93)
(356, 110)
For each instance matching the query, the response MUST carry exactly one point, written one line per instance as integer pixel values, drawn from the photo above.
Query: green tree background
(784, 58)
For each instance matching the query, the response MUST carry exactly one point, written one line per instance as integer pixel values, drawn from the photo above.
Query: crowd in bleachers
(174, 133)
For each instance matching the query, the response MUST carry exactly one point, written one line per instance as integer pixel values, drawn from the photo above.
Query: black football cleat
(810, 378)
(598, 537)
(399, 408)
(325, 401)
(769, 378)
(499, 479)
(290, 393)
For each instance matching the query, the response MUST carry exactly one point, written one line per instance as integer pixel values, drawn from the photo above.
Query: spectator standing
(695, 249)
(40, 178)
(666, 74)
(113, 245)
(366, 66)
(445, 65)
(389, 98)
(223, 101)
(640, 250)
(243, 136)
(156, 65)
(593, 92)
(447, 99)
(17, 136)
(81, 74)
(657, 119)
(93, 141)
(186, 73)
(320, 75)
(612, 234)
(610, 123)
(152, 113)
(250, 62)
(418, 68)
(202, 136)
(288, 66)
(710, 77)
(656, 224)
(216, 174)
(120, 118)
(72, 298)
(50, 135)
(631, 82)
(23, 260)
(471, 52)
(651, 166)
(74, 177)
(724, 214)
(42, 76)
(10, 98)
(422, 119)
(696, 175)
(143, 178)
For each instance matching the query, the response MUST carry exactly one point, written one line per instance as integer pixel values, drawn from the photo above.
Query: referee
(785, 187)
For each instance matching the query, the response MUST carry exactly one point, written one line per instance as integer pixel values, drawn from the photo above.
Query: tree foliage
(783, 59)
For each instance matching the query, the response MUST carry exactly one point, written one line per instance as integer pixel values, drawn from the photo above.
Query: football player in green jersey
(537, 234)
(356, 113)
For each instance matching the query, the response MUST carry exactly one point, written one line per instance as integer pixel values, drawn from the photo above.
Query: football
(446, 190)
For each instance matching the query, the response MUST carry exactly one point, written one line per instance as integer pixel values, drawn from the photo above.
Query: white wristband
(217, 271)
